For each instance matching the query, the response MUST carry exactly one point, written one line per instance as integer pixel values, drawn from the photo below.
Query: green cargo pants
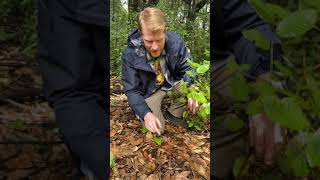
(155, 101)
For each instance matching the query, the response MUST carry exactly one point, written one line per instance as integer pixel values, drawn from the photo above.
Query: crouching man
(154, 61)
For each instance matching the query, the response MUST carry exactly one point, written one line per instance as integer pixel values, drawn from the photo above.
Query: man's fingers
(190, 105)
(149, 127)
(194, 106)
(259, 143)
(158, 126)
(269, 153)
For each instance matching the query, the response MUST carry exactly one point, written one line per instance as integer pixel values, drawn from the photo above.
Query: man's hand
(265, 136)
(152, 123)
(193, 105)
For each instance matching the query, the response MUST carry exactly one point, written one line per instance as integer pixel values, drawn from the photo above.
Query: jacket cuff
(141, 110)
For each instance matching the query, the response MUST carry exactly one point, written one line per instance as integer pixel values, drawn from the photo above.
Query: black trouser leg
(73, 63)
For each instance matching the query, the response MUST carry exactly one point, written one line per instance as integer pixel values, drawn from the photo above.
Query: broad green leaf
(254, 107)
(232, 66)
(286, 112)
(244, 67)
(297, 24)
(199, 96)
(313, 150)
(257, 38)
(157, 139)
(239, 88)
(185, 114)
(241, 167)
(269, 12)
(203, 68)
(190, 124)
(207, 109)
(294, 162)
(234, 123)
(312, 3)
(264, 89)
(314, 88)
(198, 124)
(190, 74)
(194, 65)
(283, 69)
(202, 112)
(206, 62)
(184, 88)
(144, 130)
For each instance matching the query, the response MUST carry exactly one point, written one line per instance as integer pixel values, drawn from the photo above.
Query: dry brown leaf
(200, 166)
(149, 135)
(152, 177)
(115, 150)
(113, 132)
(150, 167)
(136, 142)
(183, 175)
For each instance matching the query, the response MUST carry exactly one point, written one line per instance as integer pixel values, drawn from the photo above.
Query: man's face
(153, 41)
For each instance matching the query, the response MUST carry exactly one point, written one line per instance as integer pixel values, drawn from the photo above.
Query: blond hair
(153, 19)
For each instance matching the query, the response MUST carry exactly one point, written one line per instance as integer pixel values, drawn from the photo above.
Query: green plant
(200, 91)
(156, 138)
(295, 105)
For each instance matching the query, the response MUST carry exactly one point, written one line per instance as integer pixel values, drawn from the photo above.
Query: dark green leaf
(269, 12)
(239, 88)
(312, 3)
(313, 150)
(241, 167)
(283, 69)
(257, 38)
(234, 123)
(297, 24)
(314, 88)
(203, 68)
(285, 112)
(254, 107)
(294, 162)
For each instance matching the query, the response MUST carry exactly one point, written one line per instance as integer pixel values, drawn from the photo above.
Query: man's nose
(154, 46)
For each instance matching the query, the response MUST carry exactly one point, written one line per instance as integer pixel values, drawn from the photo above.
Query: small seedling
(157, 139)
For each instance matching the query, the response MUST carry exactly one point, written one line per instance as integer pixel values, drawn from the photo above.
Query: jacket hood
(134, 39)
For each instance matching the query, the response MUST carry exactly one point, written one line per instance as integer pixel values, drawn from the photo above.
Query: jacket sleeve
(131, 81)
(238, 16)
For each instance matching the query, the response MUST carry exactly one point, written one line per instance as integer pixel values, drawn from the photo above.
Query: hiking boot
(175, 120)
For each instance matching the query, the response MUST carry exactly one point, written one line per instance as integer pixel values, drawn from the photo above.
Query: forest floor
(31, 145)
(183, 154)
